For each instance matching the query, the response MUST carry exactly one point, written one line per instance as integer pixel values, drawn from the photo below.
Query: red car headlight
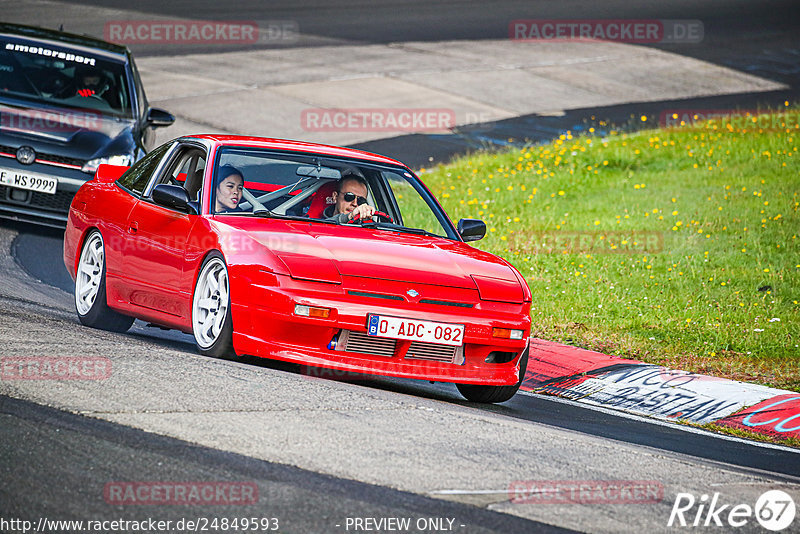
(499, 290)
(311, 268)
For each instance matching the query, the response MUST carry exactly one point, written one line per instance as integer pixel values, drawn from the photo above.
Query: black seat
(194, 183)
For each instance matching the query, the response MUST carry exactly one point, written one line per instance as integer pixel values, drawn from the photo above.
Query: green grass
(677, 247)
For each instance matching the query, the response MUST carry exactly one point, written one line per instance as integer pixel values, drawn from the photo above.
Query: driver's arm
(361, 213)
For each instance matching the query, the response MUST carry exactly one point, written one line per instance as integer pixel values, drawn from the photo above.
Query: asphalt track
(83, 453)
(732, 28)
(77, 449)
(755, 37)
(39, 252)
(760, 38)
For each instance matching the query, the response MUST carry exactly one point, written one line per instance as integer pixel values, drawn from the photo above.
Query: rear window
(60, 75)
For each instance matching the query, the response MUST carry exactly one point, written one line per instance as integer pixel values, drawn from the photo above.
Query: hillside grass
(677, 246)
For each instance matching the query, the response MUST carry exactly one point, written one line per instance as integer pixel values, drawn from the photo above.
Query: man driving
(90, 82)
(350, 200)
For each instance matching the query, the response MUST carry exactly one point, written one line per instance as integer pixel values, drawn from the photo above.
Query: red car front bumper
(268, 327)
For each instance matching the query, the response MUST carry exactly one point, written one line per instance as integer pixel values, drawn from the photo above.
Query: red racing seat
(322, 198)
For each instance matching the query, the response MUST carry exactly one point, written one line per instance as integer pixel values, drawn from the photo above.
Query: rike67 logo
(774, 510)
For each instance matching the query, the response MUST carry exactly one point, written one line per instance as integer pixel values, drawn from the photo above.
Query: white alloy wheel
(90, 273)
(210, 303)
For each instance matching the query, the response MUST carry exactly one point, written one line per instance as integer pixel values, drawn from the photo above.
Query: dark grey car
(67, 104)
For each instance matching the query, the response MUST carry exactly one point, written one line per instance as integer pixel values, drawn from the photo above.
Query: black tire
(494, 394)
(96, 314)
(221, 345)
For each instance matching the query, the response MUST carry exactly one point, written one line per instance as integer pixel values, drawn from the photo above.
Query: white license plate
(31, 182)
(414, 330)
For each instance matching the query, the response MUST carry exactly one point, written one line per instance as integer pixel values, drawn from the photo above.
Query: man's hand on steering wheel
(379, 216)
(365, 212)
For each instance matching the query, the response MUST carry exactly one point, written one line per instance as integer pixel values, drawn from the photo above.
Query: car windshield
(60, 75)
(254, 182)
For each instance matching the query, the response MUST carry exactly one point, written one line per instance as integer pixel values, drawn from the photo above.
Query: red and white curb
(654, 391)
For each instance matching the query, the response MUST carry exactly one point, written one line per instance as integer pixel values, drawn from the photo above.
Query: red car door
(155, 261)
(116, 206)
(111, 210)
(158, 236)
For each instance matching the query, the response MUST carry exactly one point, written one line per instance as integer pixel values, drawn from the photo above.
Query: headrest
(322, 198)
(194, 184)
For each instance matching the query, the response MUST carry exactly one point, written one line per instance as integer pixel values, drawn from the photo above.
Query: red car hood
(323, 252)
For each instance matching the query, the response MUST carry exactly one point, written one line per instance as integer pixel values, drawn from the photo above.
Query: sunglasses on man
(349, 197)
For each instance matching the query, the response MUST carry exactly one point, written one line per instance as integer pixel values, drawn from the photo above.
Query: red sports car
(318, 255)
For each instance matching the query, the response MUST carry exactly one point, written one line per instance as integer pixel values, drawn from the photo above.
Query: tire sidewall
(223, 345)
(100, 315)
(99, 304)
(496, 394)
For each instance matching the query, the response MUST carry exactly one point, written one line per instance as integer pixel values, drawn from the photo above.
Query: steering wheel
(376, 215)
(385, 216)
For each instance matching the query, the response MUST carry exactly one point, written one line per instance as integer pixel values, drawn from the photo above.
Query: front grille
(350, 341)
(44, 156)
(360, 342)
(435, 352)
(59, 202)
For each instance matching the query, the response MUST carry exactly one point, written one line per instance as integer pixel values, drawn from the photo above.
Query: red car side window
(136, 178)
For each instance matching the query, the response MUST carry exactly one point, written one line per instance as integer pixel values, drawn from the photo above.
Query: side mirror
(471, 229)
(158, 118)
(174, 197)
